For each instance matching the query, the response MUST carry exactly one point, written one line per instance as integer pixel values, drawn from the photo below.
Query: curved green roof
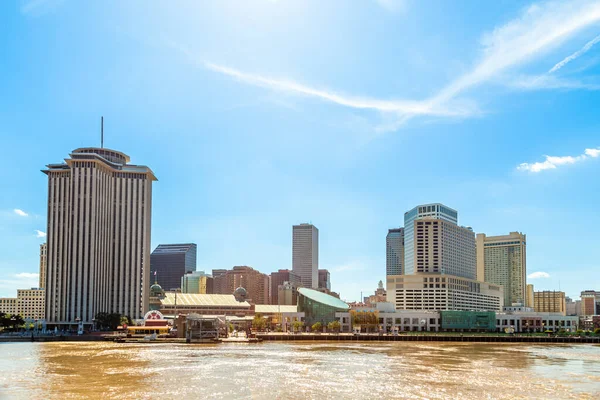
(323, 298)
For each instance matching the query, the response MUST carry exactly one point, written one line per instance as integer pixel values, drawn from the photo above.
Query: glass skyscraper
(394, 252)
(171, 262)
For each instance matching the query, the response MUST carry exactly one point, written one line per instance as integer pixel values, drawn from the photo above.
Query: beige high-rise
(98, 236)
(529, 302)
(305, 254)
(501, 260)
(43, 250)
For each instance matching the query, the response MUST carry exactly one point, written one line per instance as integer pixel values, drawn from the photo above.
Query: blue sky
(258, 115)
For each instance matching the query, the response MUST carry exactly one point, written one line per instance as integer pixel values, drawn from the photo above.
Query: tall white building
(502, 260)
(98, 237)
(43, 251)
(435, 211)
(434, 243)
(305, 254)
(394, 252)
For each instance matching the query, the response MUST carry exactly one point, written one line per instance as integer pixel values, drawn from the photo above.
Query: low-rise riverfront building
(551, 301)
(443, 292)
(319, 307)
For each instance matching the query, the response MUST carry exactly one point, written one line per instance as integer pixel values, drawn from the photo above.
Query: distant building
(305, 254)
(394, 252)
(435, 211)
(174, 303)
(278, 278)
(501, 260)
(529, 296)
(197, 282)
(287, 294)
(43, 251)
(98, 236)
(378, 297)
(434, 243)
(573, 307)
(443, 292)
(324, 279)
(590, 302)
(256, 283)
(550, 301)
(31, 303)
(10, 305)
(171, 262)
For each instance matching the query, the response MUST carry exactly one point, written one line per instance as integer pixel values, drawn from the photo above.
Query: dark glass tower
(171, 262)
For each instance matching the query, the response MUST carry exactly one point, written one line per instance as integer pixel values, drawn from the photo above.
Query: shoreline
(335, 338)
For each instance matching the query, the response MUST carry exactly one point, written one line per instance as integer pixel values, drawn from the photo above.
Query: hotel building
(278, 279)
(394, 252)
(443, 292)
(590, 302)
(10, 305)
(31, 303)
(305, 254)
(98, 254)
(502, 260)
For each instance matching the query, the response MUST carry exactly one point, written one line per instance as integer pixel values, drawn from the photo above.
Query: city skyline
(317, 135)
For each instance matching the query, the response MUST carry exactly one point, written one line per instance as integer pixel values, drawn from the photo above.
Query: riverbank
(437, 337)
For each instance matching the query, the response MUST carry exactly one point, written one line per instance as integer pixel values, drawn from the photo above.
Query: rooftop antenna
(102, 132)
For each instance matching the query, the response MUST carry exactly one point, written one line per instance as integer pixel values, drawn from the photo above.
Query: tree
(334, 326)
(108, 321)
(317, 326)
(597, 331)
(259, 323)
(297, 326)
(368, 319)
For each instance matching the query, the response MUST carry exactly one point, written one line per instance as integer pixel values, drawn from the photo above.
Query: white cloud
(27, 275)
(393, 5)
(575, 55)
(20, 212)
(553, 162)
(550, 82)
(539, 29)
(351, 266)
(39, 7)
(40, 234)
(538, 275)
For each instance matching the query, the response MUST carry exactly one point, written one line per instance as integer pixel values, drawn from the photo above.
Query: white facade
(435, 211)
(530, 322)
(442, 292)
(396, 321)
(502, 260)
(98, 255)
(305, 254)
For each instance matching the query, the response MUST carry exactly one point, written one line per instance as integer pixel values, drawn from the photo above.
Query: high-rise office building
(256, 283)
(529, 296)
(502, 260)
(171, 262)
(305, 254)
(439, 245)
(590, 302)
(394, 252)
(550, 301)
(43, 253)
(197, 282)
(279, 278)
(98, 236)
(324, 279)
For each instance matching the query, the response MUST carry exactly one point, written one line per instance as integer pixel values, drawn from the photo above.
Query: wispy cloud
(393, 5)
(20, 212)
(549, 82)
(553, 162)
(39, 7)
(351, 266)
(40, 234)
(575, 55)
(539, 29)
(21, 280)
(538, 275)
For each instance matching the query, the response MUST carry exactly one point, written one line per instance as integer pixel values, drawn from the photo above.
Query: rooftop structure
(318, 306)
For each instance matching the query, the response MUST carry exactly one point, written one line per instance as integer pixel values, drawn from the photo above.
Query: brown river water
(298, 370)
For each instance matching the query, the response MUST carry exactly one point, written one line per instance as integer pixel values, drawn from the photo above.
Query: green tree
(297, 326)
(108, 321)
(317, 327)
(597, 331)
(259, 323)
(334, 326)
